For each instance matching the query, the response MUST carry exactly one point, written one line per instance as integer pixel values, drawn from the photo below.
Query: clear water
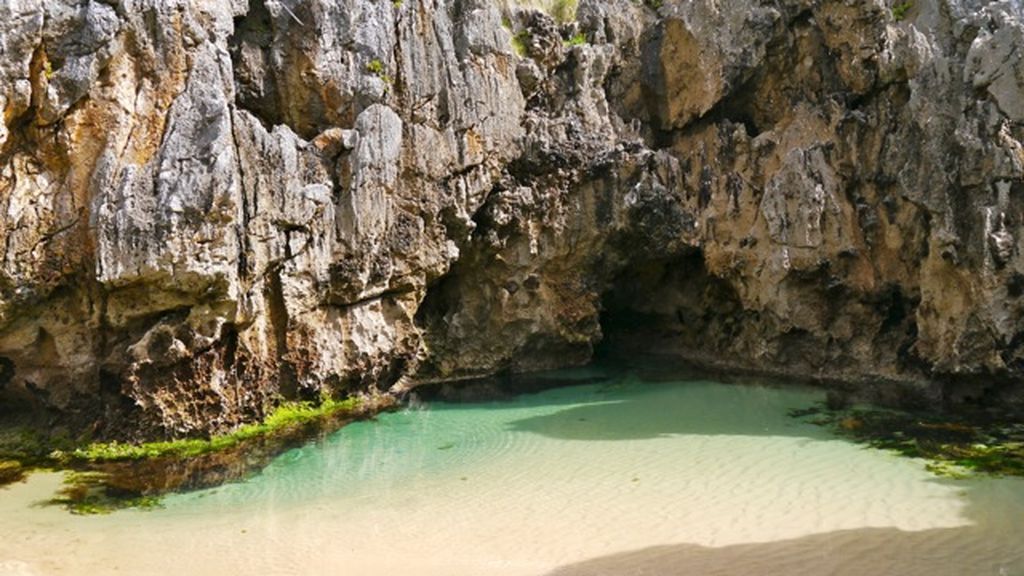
(623, 477)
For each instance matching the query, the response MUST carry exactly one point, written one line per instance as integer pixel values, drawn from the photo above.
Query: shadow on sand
(863, 552)
(991, 543)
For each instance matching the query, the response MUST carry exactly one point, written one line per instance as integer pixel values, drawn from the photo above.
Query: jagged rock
(209, 207)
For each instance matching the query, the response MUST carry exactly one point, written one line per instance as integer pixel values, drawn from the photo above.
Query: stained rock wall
(211, 206)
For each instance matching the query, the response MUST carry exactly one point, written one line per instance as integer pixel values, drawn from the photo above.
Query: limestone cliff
(211, 205)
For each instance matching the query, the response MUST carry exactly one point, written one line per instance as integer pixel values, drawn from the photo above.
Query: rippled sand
(623, 478)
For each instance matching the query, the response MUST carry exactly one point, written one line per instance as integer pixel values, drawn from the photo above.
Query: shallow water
(622, 477)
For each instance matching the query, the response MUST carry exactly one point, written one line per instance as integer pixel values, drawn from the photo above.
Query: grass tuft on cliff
(900, 10)
(286, 416)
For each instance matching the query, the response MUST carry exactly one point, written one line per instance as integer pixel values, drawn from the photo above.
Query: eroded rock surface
(213, 206)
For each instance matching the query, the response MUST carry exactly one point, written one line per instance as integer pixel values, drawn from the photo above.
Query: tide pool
(622, 476)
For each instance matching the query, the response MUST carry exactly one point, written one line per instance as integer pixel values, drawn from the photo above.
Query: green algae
(287, 415)
(24, 449)
(112, 476)
(103, 477)
(86, 493)
(955, 446)
(10, 471)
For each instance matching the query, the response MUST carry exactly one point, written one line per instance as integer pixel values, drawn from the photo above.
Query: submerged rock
(972, 441)
(211, 207)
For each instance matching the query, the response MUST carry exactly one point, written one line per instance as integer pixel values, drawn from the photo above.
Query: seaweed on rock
(955, 445)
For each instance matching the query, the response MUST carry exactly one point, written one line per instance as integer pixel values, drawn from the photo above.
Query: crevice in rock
(277, 312)
(256, 87)
(11, 401)
(117, 407)
(437, 304)
(371, 297)
(23, 132)
(739, 107)
(898, 329)
(6, 371)
(229, 339)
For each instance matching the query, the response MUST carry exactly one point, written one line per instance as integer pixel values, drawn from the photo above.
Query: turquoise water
(623, 476)
(433, 443)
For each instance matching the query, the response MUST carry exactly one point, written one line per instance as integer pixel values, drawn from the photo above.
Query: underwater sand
(624, 477)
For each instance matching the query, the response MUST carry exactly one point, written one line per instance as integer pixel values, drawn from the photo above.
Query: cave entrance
(670, 307)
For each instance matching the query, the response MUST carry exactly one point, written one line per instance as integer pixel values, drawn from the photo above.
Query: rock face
(210, 206)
